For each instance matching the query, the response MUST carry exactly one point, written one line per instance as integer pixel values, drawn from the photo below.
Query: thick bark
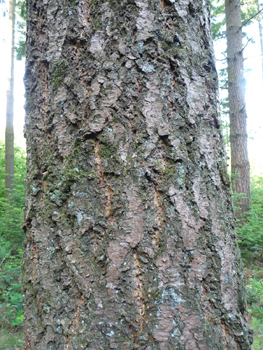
(9, 131)
(237, 106)
(130, 239)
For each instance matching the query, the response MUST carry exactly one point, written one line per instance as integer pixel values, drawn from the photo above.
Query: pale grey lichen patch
(200, 198)
(97, 42)
(35, 190)
(145, 21)
(56, 197)
(145, 67)
(169, 295)
(152, 106)
(79, 217)
(111, 334)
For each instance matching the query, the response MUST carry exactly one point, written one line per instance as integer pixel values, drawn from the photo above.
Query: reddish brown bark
(130, 239)
(237, 107)
(260, 29)
(9, 130)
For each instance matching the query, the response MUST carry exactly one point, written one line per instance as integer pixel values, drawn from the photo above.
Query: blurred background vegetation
(11, 238)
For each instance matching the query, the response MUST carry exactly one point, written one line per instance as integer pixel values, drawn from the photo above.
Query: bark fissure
(128, 204)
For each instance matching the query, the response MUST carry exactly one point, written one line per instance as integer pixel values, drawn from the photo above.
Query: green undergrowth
(256, 325)
(11, 340)
(11, 237)
(255, 304)
(11, 215)
(11, 308)
(251, 232)
(250, 235)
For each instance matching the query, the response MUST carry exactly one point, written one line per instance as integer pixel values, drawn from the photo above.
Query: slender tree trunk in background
(9, 131)
(237, 106)
(260, 28)
(130, 239)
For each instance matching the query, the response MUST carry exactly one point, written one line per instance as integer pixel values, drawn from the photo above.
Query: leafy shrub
(11, 340)
(257, 327)
(11, 306)
(11, 217)
(11, 236)
(255, 305)
(255, 298)
(251, 232)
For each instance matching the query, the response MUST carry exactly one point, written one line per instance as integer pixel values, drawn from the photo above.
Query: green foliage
(218, 20)
(251, 233)
(255, 305)
(257, 327)
(255, 298)
(218, 26)
(249, 10)
(11, 217)
(11, 306)
(21, 29)
(11, 340)
(11, 236)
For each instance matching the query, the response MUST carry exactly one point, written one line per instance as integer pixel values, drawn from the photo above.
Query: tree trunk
(260, 28)
(130, 239)
(237, 107)
(9, 131)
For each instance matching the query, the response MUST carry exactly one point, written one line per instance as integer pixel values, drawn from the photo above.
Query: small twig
(246, 22)
(7, 254)
(246, 44)
(223, 59)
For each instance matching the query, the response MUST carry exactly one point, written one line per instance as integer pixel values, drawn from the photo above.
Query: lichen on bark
(130, 239)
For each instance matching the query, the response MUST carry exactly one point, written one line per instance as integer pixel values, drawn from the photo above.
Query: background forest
(249, 228)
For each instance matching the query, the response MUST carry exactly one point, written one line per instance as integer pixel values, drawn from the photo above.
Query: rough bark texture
(237, 106)
(9, 131)
(130, 239)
